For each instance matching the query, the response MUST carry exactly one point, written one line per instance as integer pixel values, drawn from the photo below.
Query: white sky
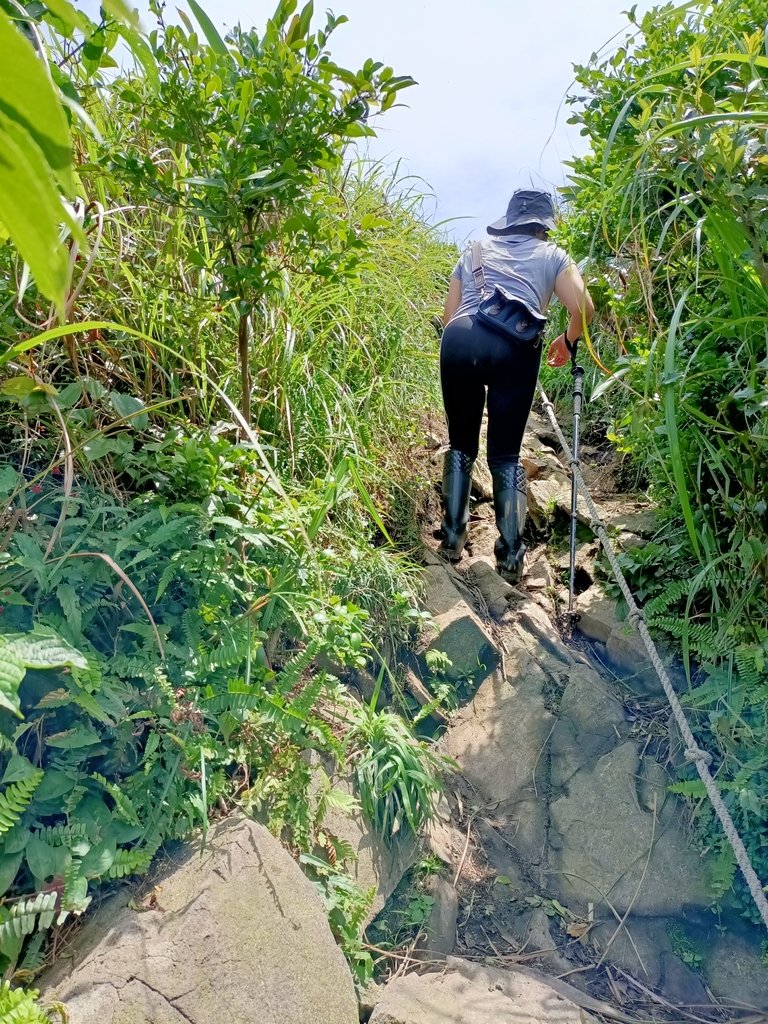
(487, 115)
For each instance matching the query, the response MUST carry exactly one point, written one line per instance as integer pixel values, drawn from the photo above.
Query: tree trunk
(245, 373)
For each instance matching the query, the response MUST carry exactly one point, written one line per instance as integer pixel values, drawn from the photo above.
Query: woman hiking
(494, 316)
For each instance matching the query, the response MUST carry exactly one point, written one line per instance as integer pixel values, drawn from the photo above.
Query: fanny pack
(505, 313)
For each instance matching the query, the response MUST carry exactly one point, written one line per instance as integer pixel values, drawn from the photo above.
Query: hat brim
(505, 227)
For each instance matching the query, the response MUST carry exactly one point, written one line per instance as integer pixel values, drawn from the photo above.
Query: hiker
(494, 317)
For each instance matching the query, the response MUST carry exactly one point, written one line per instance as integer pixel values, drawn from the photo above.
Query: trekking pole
(577, 372)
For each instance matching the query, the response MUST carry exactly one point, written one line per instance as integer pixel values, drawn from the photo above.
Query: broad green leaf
(18, 387)
(65, 12)
(15, 839)
(70, 605)
(41, 649)
(215, 41)
(99, 859)
(130, 408)
(9, 479)
(46, 861)
(28, 97)
(100, 446)
(74, 739)
(26, 185)
(121, 11)
(9, 868)
(19, 767)
(11, 675)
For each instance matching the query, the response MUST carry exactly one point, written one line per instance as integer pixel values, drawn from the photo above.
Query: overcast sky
(487, 116)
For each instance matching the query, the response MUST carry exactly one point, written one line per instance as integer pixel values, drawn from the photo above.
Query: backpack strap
(477, 267)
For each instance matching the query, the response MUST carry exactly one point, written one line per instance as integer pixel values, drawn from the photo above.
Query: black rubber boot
(457, 481)
(510, 504)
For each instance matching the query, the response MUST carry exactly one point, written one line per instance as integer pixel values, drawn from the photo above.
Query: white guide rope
(693, 752)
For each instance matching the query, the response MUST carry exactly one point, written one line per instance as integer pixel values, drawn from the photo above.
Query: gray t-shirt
(524, 266)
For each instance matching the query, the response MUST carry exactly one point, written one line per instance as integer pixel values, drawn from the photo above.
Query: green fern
(291, 675)
(749, 673)
(61, 835)
(27, 916)
(134, 666)
(15, 798)
(669, 598)
(20, 1006)
(693, 788)
(123, 804)
(239, 697)
(231, 653)
(190, 627)
(304, 702)
(130, 862)
(722, 873)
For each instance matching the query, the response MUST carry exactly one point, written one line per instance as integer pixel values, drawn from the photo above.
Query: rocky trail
(561, 846)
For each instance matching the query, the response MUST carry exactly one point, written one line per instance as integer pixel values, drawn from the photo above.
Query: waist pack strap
(477, 267)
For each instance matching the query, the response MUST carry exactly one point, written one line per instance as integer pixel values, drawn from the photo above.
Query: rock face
(467, 993)
(602, 836)
(498, 741)
(461, 636)
(242, 936)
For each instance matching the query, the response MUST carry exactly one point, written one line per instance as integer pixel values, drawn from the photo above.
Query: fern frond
(231, 653)
(15, 798)
(190, 627)
(20, 1006)
(27, 916)
(297, 666)
(123, 803)
(693, 788)
(747, 665)
(722, 873)
(239, 697)
(130, 862)
(305, 701)
(670, 597)
(61, 835)
(34, 958)
(133, 666)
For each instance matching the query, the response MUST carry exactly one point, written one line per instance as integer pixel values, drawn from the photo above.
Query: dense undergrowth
(670, 208)
(205, 388)
(209, 374)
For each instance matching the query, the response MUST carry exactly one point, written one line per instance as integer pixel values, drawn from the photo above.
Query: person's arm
(452, 300)
(572, 292)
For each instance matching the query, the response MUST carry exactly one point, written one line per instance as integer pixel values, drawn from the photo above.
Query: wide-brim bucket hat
(527, 206)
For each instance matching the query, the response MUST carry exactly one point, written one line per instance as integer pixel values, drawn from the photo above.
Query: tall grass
(676, 192)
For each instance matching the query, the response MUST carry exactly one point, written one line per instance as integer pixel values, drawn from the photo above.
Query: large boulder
(461, 636)
(591, 722)
(237, 934)
(601, 837)
(468, 993)
(499, 742)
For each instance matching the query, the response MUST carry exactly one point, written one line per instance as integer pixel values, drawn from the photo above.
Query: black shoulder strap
(477, 266)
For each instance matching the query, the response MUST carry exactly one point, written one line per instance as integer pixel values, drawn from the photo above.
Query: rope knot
(636, 615)
(697, 754)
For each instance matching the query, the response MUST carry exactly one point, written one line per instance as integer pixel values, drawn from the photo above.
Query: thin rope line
(693, 751)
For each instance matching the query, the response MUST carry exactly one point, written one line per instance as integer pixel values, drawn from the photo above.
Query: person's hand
(559, 353)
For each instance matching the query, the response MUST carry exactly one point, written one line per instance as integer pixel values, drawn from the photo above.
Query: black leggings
(473, 357)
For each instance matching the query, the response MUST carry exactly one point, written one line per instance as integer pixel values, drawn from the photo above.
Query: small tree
(258, 126)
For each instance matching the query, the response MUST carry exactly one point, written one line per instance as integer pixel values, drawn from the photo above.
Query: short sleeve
(562, 261)
(457, 269)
